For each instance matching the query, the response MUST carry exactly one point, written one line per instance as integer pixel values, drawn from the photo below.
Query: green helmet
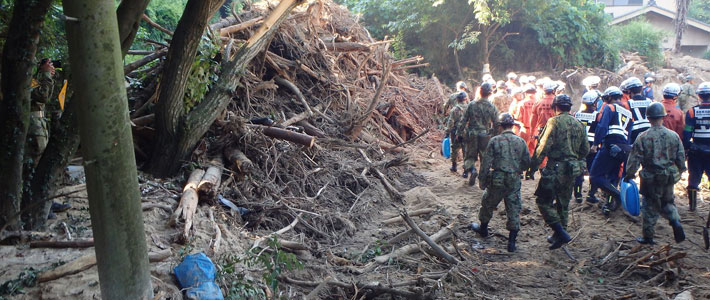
(562, 102)
(656, 110)
(505, 119)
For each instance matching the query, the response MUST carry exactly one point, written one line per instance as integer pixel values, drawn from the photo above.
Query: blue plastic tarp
(196, 274)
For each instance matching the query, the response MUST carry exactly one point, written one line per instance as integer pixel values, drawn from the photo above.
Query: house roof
(661, 11)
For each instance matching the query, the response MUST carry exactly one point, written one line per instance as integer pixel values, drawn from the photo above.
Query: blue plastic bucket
(630, 197)
(446, 147)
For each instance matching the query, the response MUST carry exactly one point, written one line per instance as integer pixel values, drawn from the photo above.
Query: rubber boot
(578, 194)
(692, 199)
(465, 173)
(58, 207)
(472, 177)
(645, 240)
(678, 233)
(482, 229)
(511, 240)
(560, 236)
(453, 166)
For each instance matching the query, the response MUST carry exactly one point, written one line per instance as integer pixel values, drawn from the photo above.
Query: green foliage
(272, 259)
(700, 9)
(27, 278)
(372, 252)
(640, 36)
(203, 72)
(573, 33)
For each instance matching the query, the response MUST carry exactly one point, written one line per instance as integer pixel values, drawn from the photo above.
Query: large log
(290, 136)
(63, 244)
(209, 184)
(88, 261)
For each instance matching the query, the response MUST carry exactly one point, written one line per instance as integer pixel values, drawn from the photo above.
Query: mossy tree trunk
(17, 66)
(107, 148)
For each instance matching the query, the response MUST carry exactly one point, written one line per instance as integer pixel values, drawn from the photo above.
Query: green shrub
(642, 37)
(706, 55)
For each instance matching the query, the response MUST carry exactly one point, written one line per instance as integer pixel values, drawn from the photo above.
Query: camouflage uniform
(507, 155)
(564, 142)
(660, 152)
(38, 133)
(478, 119)
(687, 97)
(456, 133)
(502, 101)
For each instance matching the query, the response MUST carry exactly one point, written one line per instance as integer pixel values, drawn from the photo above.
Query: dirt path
(534, 272)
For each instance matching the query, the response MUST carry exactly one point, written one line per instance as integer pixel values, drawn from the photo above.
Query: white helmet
(591, 80)
(549, 86)
(532, 78)
(512, 75)
(649, 79)
(486, 77)
(524, 80)
(590, 97)
(671, 89)
(703, 88)
(560, 86)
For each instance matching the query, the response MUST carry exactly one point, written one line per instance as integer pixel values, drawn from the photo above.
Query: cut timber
(63, 244)
(310, 129)
(415, 213)
(237, 158)
(241, 26)
(347, 47)
(143, 61)
(209, 185)
(188, 203)
(413, 248)
(437, 249)
(88, 261)
(288, 135)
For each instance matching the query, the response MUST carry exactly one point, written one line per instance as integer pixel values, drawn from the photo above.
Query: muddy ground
(486, 272)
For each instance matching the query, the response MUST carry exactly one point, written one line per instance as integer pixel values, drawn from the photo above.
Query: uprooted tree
(178, 130)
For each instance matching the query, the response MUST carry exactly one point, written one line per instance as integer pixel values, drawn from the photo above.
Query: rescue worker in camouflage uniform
(478, 120)
(38, 133)
(452, 130)
(687, 97)
(502, 99)
(505, 159)
(451, 102)
(564, 142)
(696, 140)
(660, 152)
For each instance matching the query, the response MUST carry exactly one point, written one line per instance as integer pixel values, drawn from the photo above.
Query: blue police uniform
(696, 140)
(638, 105)
(612, 133)
(589, 122)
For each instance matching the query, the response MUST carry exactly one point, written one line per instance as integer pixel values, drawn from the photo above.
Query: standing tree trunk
(17, 64)
(109, 161)
(680, 23)
(181, 56)
(129, 14)
(64, 138)
(189, 128)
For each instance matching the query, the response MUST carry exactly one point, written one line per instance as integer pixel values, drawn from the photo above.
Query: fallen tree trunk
(144, 61)
(88, 261)
(413, 248)
(290, 136)
(156, 25)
